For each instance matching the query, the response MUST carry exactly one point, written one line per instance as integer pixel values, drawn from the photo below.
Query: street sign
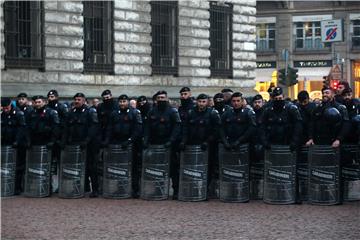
(335, 72)
(332, 30)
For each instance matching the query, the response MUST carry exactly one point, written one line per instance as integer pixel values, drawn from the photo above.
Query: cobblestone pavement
(54, 218)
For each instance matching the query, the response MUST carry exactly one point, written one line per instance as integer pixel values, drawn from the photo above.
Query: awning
(264, 75)
(316, 73)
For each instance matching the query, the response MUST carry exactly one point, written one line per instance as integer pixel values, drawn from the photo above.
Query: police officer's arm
(21, 134)
(92, 124)
(346, 125)
(222, 131)
(137, 125)
(264, 136)
(64, 114)
(215, 124)
(297, 124)
(109, 128)
(176, 123)
(184, 126)
(251, 127)
(55, 125)
(147, 127)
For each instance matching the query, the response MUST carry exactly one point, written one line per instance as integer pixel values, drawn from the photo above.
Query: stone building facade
(64, 44)
(296, 26)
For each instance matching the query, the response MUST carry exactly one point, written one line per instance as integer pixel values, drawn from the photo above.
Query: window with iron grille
(221, 39)
(308, 36)
(265, 37)
(24, 34)
(98, 36)
(164, 32)
(355, 36)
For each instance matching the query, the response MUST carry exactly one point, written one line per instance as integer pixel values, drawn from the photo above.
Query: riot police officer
(163, 127)
(201, 128)
(281, 122)
(44, 124)
(13, 130)
(81, 129)
(105, 109)
(305, 108)
(238, 123)
(329, 121)
(219, 103)
(227, 92)
(62, 110)
(125, 127)
(257, 151)
(186, 103)
(353, 107)
(23, 104)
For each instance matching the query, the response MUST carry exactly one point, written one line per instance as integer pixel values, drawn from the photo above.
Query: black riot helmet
(332, 115)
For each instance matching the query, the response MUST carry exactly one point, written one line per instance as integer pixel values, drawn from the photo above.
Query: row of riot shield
(314, 174)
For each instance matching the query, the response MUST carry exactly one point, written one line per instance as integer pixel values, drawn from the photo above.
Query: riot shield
(8, 171)
(280, 175)
(37, 174)
(72, 172)
(302, 171)
(350, 172)
(155, 173)
(117, 172)
(193, 174)
(257, 156)
(324, 175)
(234, 174)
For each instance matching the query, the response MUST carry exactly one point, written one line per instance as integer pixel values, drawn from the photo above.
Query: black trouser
(136, 166)
(92, 158)
(213, 162)
(175, 168)
(20, 169)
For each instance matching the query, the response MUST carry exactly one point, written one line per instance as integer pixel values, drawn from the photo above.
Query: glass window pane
(357, 31)
(272, 34)
(299, 43)
(271, 44)
(299, 33)
(299, 24)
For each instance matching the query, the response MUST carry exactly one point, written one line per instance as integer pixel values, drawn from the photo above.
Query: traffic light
(282, 77)
(292, 76)
(335, 84)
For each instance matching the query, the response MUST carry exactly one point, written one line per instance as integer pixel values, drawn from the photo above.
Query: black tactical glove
(167, 144)
(182, 146)
(235, 145)
(227, 145)
(104, 144)
(50, 145)
(125, 144)
(15, 144)
(145, 142)
(204, 146)
(292, 147)
(83, 144)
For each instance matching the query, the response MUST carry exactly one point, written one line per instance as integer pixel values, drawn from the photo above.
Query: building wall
(64, 54)
(284, 11)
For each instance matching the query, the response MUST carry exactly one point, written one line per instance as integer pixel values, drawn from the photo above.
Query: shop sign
(265, 64)
(321, 63)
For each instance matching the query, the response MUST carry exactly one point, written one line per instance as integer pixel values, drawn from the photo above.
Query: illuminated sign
(321, 63)
(265, 64)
